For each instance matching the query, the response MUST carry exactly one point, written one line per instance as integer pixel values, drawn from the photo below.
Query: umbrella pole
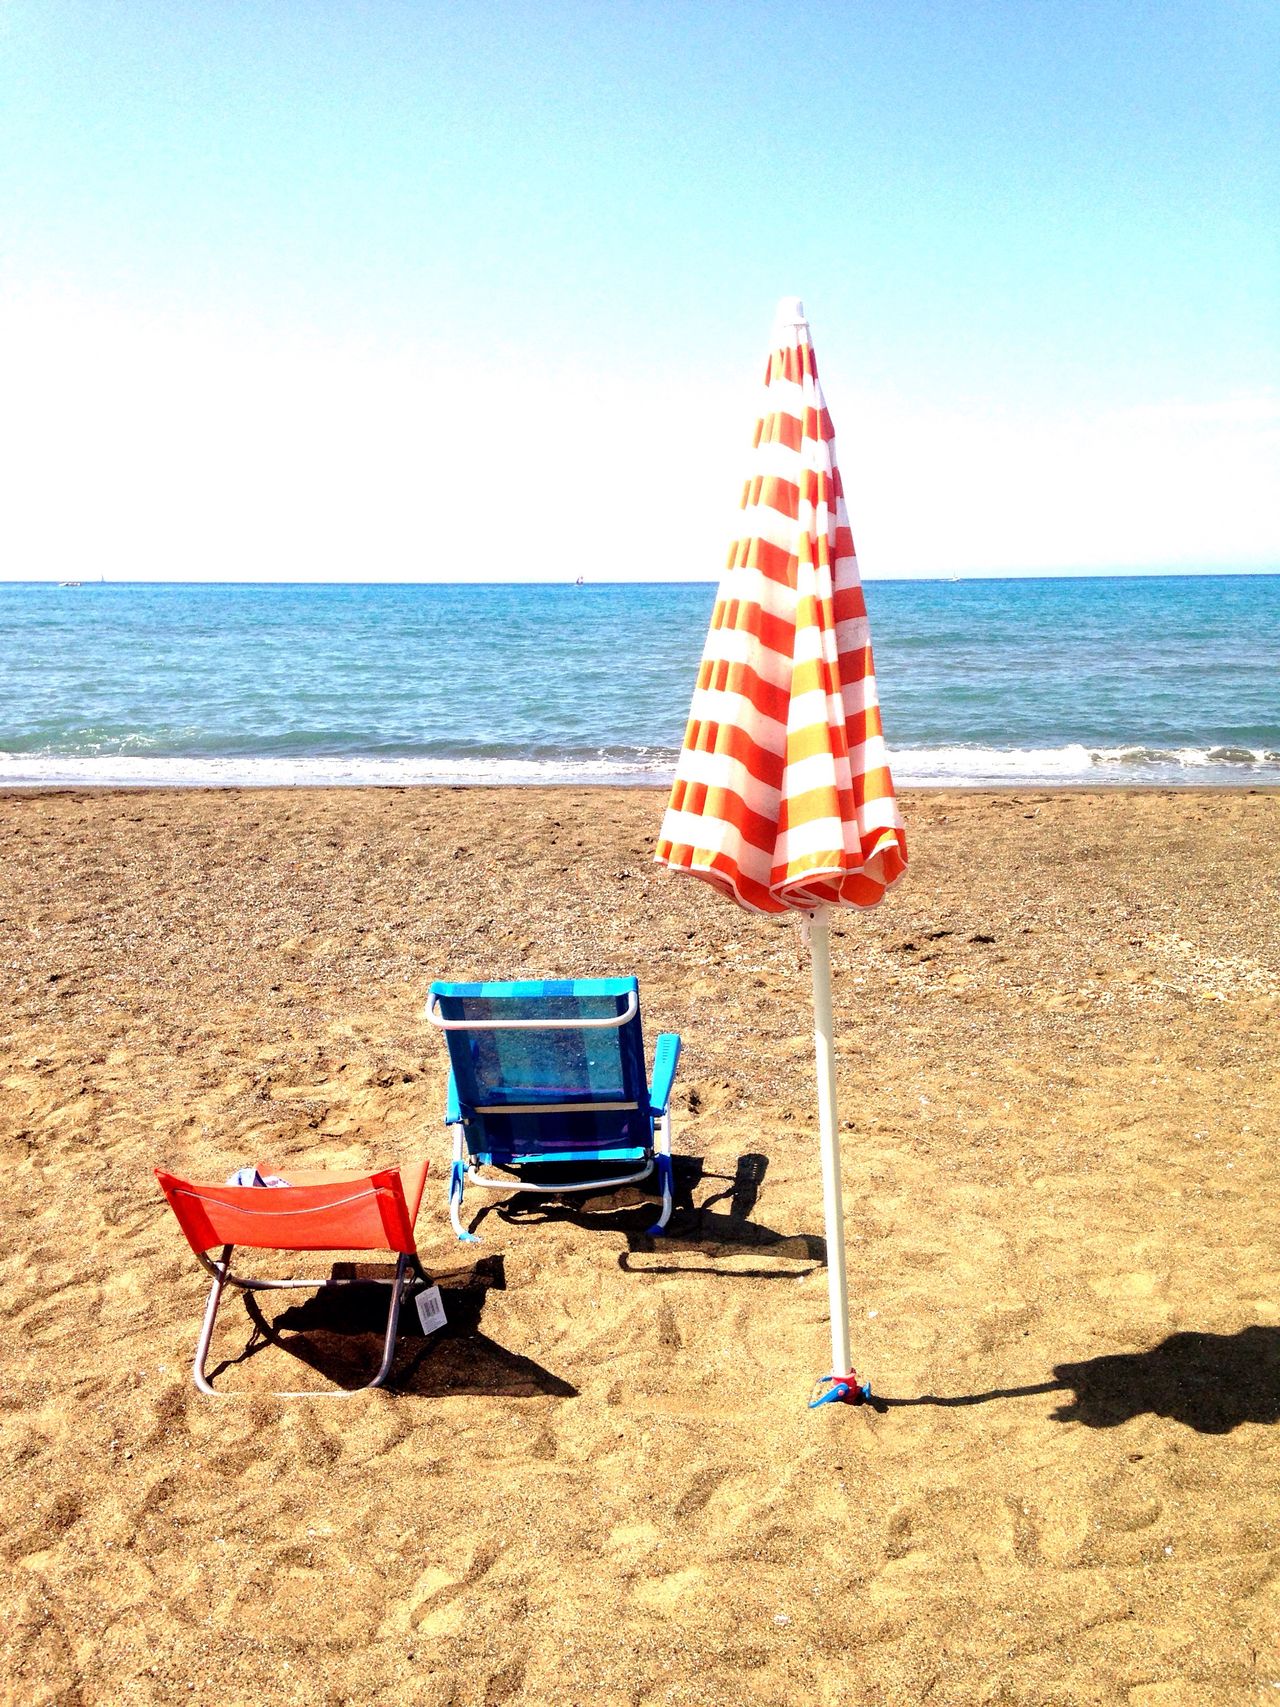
(844, 1383)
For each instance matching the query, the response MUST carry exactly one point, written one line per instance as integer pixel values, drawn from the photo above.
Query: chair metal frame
(465, 1169)
(407, 1268)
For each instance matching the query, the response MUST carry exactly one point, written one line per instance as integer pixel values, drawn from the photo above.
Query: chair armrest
(452, 1107)
(665, 1056)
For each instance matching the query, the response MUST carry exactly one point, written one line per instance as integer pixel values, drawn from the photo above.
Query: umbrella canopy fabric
(782, 796)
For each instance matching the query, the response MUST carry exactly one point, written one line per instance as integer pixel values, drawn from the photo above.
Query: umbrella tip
(790, 312)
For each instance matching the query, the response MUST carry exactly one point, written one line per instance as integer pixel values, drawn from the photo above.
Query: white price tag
(430, 1306)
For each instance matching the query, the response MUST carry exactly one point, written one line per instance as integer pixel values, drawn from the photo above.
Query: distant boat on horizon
(70, 583)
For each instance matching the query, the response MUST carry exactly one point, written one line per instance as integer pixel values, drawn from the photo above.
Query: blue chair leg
(457, 1185)
(665, 1173)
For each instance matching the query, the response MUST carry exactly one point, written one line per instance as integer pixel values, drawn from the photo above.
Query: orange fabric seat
(316, 1211)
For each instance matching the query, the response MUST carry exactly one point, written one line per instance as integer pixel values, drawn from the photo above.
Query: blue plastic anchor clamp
(842, 1390)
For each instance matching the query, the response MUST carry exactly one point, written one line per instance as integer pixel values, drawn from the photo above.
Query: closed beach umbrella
(782, 797)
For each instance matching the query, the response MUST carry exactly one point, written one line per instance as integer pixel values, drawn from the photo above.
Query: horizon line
(1109, 574)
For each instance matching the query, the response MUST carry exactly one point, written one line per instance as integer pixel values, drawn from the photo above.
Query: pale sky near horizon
(412, 291)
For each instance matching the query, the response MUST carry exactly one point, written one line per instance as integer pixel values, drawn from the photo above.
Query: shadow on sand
(1209, 1382)
(339, 1334)
(694, 1229)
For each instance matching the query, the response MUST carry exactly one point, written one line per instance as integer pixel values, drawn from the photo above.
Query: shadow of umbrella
(336, 1332)
(714, 1233)
(1209, 1382)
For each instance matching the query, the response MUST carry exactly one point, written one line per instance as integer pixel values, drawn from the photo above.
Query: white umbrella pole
(829, 1134)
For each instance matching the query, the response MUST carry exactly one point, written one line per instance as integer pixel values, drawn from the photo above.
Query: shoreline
(968, 767)
(1178, 790)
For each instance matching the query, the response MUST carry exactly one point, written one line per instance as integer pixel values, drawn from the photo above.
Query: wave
(21, 770)
(913, 767)
(1075, 763)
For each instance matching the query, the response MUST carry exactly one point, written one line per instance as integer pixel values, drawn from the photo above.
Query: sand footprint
(52, 1520)
(664, 1594)
(439, 1603)
(1060, 1530)
(37, 1657)
(293, 1588)
(504, 1685)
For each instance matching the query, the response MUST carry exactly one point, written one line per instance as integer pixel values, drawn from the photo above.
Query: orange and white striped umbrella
(782, 796)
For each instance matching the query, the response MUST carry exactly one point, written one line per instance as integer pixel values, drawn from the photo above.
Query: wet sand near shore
(1058, 1046)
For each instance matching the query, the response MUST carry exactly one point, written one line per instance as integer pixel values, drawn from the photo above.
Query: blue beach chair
(547, 1083)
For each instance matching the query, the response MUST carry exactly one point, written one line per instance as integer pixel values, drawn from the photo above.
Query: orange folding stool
(314, 1212)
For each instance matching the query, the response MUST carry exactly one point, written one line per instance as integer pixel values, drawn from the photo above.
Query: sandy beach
(1058, 1050)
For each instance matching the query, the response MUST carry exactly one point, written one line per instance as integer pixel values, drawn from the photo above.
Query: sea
(1166, 679)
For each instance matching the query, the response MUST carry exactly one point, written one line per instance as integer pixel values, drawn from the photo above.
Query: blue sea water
(1144, 679)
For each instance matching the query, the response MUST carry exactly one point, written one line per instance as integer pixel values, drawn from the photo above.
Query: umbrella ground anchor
(842, 1390)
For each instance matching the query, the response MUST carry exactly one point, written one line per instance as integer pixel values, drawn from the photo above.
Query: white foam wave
(929, 767)
(913, 767)
(19, 770)
(977, 767)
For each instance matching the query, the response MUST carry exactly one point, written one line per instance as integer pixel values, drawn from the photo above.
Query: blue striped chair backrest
(591, 1065)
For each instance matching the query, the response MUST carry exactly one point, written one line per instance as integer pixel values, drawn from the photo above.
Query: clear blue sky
(410, 290)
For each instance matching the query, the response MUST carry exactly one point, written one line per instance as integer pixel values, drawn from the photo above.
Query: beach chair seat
(547, 1084)
(315, 1211)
